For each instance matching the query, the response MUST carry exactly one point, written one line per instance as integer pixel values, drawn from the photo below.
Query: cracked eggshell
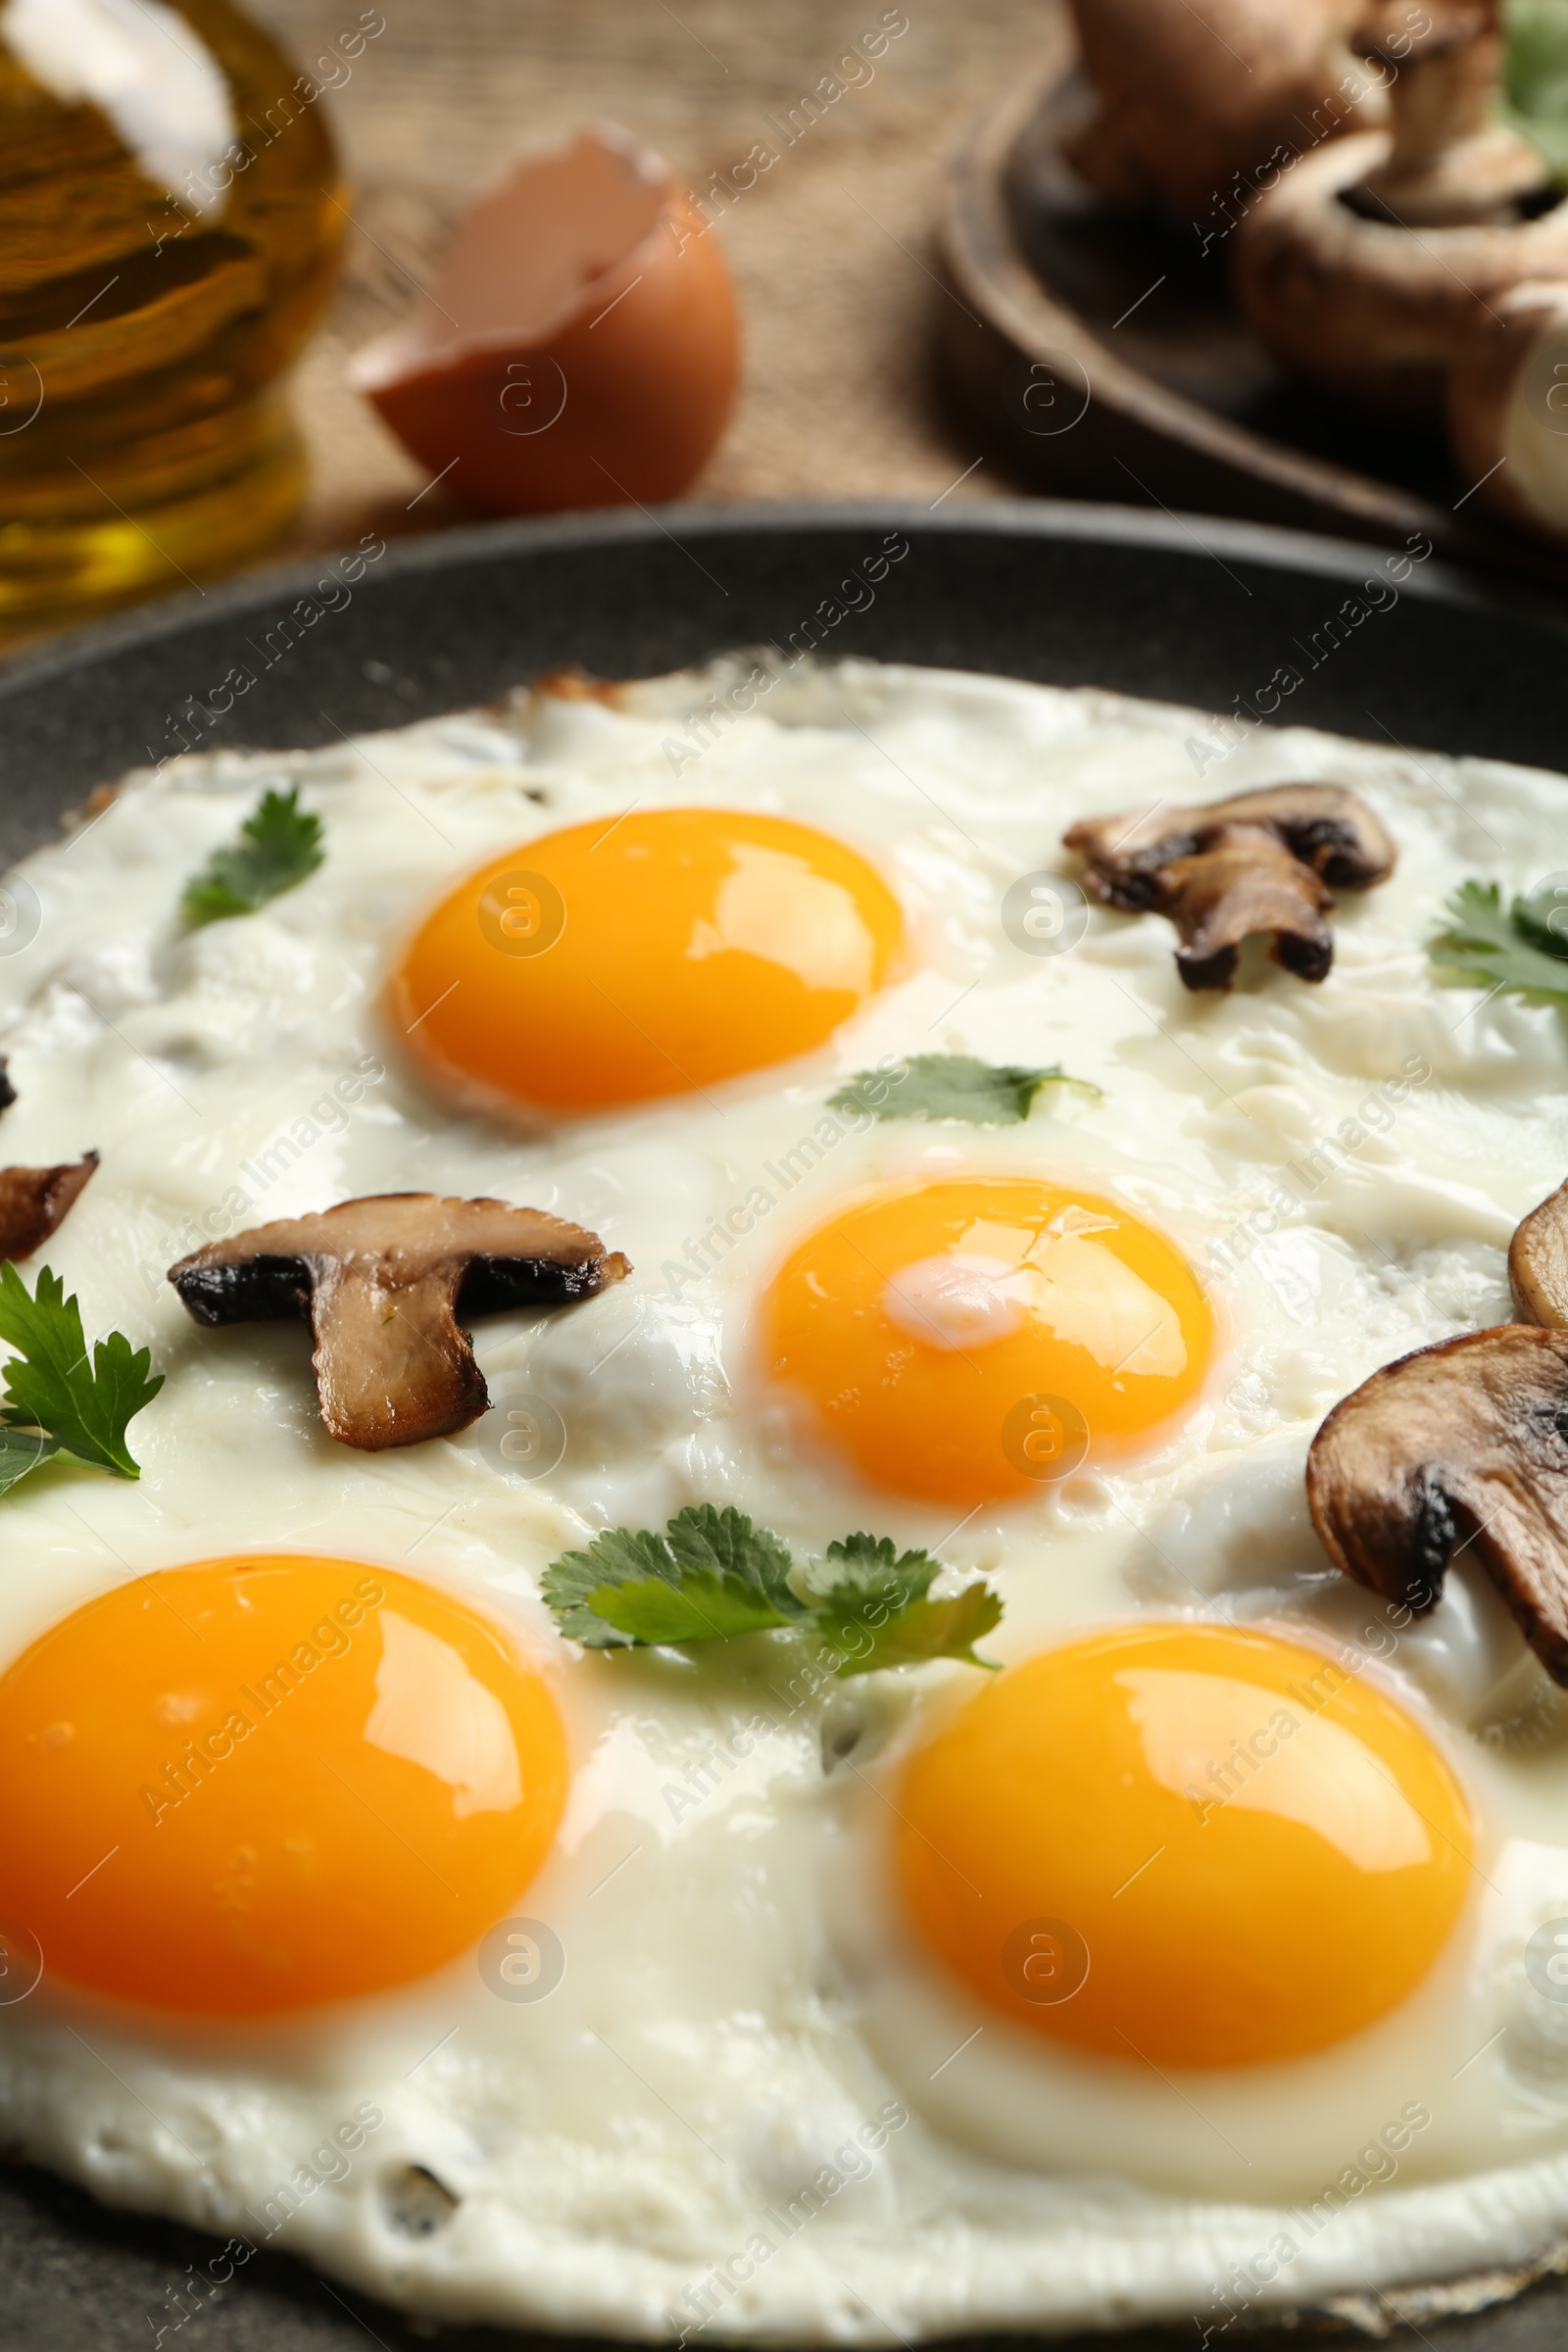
(580, 346)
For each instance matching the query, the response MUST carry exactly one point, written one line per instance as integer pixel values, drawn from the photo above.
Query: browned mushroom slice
(1459, 1447)
(34, 1200)
(1538, 1263)
(382, 1281)
(1256, 863)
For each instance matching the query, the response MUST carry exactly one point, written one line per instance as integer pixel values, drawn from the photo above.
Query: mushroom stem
(1451, 163)
(1244, 884)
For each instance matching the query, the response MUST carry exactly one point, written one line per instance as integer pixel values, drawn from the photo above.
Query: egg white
(745, 2031)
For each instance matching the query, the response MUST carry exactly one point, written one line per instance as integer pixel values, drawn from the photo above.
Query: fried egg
(1208, 1955)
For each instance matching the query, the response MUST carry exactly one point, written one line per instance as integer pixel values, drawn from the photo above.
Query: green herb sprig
(1535, 85)
(58, 1401)
(1518, 947)
(954, 1086)
(712, 1576)
(280, 844)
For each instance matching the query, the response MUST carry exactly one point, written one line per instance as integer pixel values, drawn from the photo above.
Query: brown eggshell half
(1508, 406)
(580, 346)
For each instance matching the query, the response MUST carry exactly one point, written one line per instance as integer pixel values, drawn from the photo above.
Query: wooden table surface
(830, 249)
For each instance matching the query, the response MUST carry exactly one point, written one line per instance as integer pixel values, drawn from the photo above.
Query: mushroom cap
(1201, 96)
(1327, 826)
(1463, 1445)
(1507, 404)
(34, 1202)
(382, 1281)
(1373, 311)
(1538, 1262)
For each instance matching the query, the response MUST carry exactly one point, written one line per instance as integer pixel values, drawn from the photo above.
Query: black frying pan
(1170, 606)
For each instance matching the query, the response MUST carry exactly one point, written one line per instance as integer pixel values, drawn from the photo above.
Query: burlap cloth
(830, 249)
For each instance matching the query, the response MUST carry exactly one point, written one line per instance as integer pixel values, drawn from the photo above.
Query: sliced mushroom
(1256, 863)
(382, 1281)
(1456, 1446)
(1371, 263)
(34, 1200)
(1538, 1263)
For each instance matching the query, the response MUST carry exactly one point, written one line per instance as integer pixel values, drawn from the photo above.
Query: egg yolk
(1185, 1844)
(261, 1782)
(617, 961)
(971, 1339)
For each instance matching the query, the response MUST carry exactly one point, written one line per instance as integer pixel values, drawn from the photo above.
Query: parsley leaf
(55, 1401)
(1517, 949)
(21, 1451)
(279, 844)
(951, 1086)
(712, 1575)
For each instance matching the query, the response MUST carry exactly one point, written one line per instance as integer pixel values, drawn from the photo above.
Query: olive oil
(170, 213)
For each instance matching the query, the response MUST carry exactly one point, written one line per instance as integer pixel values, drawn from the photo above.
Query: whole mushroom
(1508, 407)
(1376, 259)
(1190, 99)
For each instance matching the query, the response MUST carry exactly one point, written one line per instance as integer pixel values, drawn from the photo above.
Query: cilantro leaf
(925, 1629)
(866, 1567)
(50, 1386)
(712, 1575)
(701, 1607)
(576, 1584)
(725, 1543)
(951, 1086)
(1498, 949)
(279, 844)
(875, 1607)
